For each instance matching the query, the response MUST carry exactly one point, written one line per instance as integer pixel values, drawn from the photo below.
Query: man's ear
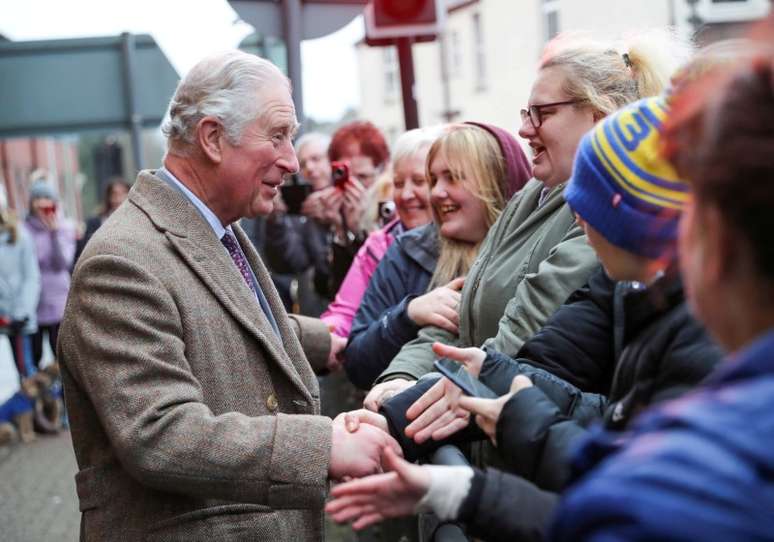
(209, 137)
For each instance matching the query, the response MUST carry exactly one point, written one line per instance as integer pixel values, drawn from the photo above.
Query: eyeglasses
(533, 112)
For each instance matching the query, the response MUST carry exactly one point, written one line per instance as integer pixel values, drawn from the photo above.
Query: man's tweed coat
(190, 419)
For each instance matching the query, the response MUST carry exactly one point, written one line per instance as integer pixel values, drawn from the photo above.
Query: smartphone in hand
(340, 174)
(469, 384)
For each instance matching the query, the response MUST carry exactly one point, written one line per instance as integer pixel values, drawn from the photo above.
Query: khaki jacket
(191, 419)
(530, 262)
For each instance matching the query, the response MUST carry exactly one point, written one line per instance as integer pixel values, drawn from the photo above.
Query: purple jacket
(56, 250)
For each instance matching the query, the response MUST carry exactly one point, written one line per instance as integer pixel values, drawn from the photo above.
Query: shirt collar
(205, 211)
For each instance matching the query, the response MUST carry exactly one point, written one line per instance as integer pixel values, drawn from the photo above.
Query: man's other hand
(335, 358)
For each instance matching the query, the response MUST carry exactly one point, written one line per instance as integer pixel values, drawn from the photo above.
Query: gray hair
(312, 137)
(225, 85)
(414, 141)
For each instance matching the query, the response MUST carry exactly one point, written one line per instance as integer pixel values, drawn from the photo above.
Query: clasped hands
(357, 448)
(439, 413)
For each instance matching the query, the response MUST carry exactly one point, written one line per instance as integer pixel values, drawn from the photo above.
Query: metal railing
(430, 528)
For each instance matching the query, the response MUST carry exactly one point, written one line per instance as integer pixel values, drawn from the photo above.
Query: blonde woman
(471, 172)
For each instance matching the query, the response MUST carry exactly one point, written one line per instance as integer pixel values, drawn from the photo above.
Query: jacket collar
(642, 305)
(196, 243)
(421, 245)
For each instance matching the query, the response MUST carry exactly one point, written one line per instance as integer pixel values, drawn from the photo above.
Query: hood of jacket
(519, 169)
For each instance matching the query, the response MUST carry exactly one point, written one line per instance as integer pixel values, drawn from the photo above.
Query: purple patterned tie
(230, 242)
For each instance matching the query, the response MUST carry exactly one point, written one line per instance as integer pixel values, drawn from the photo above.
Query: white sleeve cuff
(448, 488)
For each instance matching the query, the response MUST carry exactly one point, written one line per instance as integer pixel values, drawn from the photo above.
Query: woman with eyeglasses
(535, 255)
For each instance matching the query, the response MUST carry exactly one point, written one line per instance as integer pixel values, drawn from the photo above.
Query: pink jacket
(341, 311)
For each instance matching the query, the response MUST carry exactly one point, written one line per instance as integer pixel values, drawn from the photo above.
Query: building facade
(482, 66)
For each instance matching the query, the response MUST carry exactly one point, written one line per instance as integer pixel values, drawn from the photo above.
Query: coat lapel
(290, 342)
(198, 246)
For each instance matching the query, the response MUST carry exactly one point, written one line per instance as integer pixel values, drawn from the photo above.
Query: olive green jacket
(533, 258)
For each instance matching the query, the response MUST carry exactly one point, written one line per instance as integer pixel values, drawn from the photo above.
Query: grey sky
(186, 31)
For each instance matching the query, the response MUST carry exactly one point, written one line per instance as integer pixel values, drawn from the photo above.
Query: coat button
(271, 402)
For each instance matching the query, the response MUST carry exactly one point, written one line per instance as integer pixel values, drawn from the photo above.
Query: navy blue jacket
(382, 326)
(698, 468)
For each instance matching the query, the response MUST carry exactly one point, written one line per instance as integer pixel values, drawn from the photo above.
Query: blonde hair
(608, 76)
(473, 157)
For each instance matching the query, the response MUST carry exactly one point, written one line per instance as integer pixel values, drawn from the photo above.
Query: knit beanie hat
(519, 170)
(42, 189)
(623, 187)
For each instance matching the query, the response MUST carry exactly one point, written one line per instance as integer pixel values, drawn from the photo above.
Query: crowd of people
(609, 296)
(37, 256)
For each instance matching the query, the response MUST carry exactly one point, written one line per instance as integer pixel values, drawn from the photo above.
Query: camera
(386, 211)
(294, 195)
(339, 173)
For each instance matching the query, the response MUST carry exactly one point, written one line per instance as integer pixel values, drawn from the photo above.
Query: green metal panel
(81, 84)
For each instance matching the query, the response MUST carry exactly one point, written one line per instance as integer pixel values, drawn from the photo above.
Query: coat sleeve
(30, 287)
(503, 507)
(574, 345)
(538, 430)
(62, 248)
(576, 342)
(315, 339)
(674, 484)
(567, 267)
(382, 325)
(152, 409)
(416, 357)
(394, 411)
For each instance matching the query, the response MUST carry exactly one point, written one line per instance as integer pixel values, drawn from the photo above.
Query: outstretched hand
(487, 411)
(376, 498)
(436, 414)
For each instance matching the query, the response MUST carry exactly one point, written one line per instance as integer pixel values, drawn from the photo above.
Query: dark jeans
(52, 330)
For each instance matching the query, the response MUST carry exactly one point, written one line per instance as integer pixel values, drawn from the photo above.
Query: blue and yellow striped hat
(623, 187)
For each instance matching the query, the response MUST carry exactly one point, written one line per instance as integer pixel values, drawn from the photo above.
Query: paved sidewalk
(37, 491)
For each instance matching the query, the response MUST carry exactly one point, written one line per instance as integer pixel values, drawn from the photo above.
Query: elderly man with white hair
(192, 400)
